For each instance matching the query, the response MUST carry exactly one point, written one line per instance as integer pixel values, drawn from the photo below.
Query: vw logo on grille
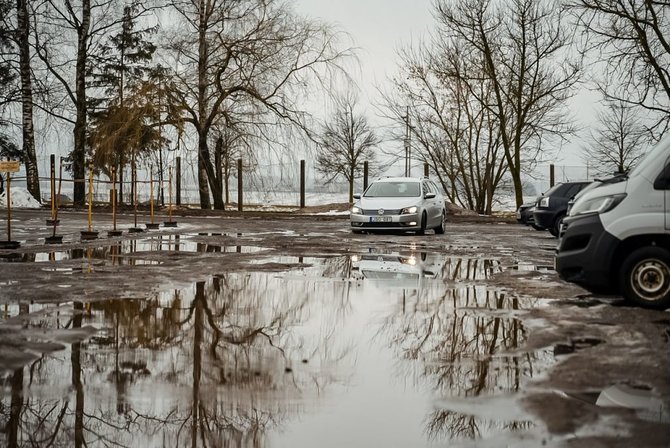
(380, 211)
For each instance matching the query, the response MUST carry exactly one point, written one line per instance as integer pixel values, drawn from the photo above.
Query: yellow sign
(9, 166)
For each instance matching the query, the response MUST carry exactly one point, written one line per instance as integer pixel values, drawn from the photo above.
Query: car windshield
(401, 189)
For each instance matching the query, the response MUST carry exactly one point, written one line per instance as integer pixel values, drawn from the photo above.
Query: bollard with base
(114, 232)
(90, 234)
(9, 167)
(151, 225)
(170, 222)
(56, 239)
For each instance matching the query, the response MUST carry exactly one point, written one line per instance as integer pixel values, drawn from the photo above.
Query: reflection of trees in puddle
(461, 344)
(215, 365)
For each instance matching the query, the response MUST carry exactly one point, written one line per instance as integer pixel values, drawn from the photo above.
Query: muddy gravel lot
(286, 330)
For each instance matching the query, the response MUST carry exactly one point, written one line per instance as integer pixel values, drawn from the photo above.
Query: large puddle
(376, 349)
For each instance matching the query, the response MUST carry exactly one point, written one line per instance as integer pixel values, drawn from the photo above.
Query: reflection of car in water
(403, 270)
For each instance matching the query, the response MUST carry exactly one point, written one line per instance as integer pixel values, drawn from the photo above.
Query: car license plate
(381, 219)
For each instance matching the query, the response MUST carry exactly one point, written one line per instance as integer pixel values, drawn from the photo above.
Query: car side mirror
(357, 196)
(429, 195)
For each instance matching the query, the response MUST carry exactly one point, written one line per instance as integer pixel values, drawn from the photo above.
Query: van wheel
(443, 223)
(645, 277)
(422, 230)
(555, 230)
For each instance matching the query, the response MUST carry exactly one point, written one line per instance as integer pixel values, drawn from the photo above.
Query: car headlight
(356, 210)
(544, 202)
(408, 210)
(602, 204)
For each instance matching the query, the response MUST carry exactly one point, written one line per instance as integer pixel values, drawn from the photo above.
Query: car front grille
(375, 212)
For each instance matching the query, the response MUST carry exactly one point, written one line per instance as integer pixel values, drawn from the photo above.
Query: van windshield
(652, 156)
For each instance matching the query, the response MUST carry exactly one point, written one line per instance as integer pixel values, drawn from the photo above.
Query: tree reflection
(218, 364)
(462, 343)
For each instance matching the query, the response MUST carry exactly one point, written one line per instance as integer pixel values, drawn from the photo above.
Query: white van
(617, 235)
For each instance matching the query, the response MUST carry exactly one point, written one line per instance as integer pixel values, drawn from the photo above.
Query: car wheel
(536, 227)
(556, 228)
(645, 277)
(422, 230)
(443, 223)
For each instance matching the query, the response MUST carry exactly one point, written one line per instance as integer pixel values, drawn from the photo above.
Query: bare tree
(632, 38)
(618, 142)
(87, 23)
(523, 49)
(249, 55)
(451, 129)
(346, 141)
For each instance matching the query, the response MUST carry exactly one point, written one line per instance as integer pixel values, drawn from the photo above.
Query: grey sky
(380, 27)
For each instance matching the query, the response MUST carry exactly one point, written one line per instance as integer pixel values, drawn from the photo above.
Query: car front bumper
(585, 253)
(544, 218)
(386, 222)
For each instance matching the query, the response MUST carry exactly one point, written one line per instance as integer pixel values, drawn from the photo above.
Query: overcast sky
(380, 27)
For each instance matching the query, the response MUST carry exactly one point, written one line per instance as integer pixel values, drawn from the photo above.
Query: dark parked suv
(551, 207)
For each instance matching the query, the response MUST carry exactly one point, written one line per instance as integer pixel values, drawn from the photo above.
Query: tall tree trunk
(203, 188)
(32, 171)
(79, 152)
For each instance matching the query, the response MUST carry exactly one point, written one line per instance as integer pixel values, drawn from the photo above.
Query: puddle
(131, 252)
(327, 353)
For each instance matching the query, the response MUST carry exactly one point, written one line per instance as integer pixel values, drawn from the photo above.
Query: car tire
(443, 222)
(555, 230)
(645, 277)
(422, 230)
(536, 227)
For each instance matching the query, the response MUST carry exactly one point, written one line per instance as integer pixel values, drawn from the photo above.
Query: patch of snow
(21, 198)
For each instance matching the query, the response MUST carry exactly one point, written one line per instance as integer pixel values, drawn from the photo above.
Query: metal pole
(426, 169)
(551, 175)
(170, 196)
(60, 183)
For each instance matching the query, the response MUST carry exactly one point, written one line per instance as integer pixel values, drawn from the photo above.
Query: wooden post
(178, 181)
(90, 197)
(302, 184)
(52, 160)
(365, 175)
(239, 186)
(552, 178)
(9, 207)
(426, 169)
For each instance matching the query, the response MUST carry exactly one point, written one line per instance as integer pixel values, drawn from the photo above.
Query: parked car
(400, 203)
(524, 215)
(552, 206)
(617, 237)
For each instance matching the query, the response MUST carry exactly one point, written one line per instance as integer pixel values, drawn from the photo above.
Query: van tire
(645, 277)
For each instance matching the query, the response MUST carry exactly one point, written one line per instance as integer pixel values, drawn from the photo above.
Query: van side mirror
(357, 196)
(429, 195)
(662, 182)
